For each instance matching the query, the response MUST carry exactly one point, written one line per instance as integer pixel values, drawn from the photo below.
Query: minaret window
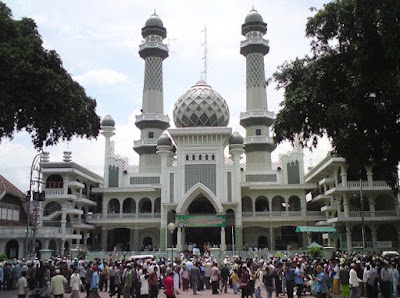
(200, 157)
(258, 132)
(151, 135)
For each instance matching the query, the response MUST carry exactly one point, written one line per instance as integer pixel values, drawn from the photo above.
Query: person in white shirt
(22, 286)
(395, 279)
(354, 283)
(385, 281)
(75, 283)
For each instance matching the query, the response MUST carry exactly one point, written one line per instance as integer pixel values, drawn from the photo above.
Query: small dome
(236, 139)
(154, 20)
(164, 140)
(201, 106)
(253, 16)
(108, 121)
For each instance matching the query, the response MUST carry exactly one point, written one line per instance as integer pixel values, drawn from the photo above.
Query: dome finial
(154, 13)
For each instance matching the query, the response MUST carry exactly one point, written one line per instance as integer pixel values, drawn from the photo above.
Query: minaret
(257, 119)
(108, 127)
(152, 122)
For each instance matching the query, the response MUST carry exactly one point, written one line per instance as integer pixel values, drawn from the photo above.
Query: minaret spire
(204, 72)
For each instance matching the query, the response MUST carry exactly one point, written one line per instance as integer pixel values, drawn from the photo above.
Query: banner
(200, 221)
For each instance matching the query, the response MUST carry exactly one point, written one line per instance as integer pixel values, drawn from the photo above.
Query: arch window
(145, 205)
(54, 181)
(113, 206)
(262, 204)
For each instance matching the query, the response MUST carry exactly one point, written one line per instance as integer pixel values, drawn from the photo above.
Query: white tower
(152, 122)
(257, 119)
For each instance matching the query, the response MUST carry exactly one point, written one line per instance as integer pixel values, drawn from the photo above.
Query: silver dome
(164, 140)
(253, 16)
(154, 20)
(201, 106)
(236, 139)
(108, 121)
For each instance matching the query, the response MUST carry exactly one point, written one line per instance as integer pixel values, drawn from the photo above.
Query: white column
(223, 243)
(179, 240)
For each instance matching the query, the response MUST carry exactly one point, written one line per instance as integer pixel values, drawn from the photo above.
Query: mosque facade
(220, 190)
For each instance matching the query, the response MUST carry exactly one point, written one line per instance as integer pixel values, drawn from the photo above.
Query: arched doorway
(262, 242)
(66, 248)
(12, 248)
(53, 247)
(202, 237)
(147, 244)
(118, 238)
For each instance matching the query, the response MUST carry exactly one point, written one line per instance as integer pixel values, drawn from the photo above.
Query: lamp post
(32, 195)
(171, 228)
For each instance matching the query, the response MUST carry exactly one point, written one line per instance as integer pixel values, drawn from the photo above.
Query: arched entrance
(202, 237)
(53, 247)
(12, 248)
(147, 244)
(262, 242)
(118, 238)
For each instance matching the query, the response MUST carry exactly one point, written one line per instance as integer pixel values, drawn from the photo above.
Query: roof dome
(236, 139)
(164, 140)
(253, 16)
(201, 106)
(108, 121)
(154, 20)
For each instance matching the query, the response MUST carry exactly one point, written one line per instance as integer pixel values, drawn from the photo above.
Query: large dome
(201, 106)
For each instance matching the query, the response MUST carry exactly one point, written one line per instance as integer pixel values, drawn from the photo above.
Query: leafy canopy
(349, 87)
(36, 92)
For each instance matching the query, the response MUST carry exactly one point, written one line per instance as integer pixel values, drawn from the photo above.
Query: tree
(36, 92)
(349, 87)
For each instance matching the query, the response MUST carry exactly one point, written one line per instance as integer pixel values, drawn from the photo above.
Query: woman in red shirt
(169, 286)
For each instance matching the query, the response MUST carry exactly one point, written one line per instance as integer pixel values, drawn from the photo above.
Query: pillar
(136, 239)
(223, 244)
(346, 205)
(163, 239)
(272, 237)
(179, 240)
(104, 239)
(239, 238)
(348, 237)
(62, 248)
(374, 234)
(121, 208)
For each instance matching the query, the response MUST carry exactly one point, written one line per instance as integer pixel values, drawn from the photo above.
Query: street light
(171, 228)
(33, 196)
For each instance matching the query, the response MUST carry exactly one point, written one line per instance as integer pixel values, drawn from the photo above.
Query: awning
(305, 229)
(314, 244)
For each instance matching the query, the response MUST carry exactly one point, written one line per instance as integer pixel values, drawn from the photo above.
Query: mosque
(201, 184)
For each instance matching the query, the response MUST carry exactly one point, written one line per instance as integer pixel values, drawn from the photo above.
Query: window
(151, 134)
(258, 132)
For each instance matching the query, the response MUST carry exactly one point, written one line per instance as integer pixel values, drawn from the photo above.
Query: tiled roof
(9, 188)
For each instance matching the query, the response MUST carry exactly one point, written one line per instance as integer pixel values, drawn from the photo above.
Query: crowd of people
(342, 274)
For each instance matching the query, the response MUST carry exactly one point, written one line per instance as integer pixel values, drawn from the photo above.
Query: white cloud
(101, 77)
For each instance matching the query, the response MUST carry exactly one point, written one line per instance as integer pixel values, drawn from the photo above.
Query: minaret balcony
(153, 120)
(153, 48)
(257, 117)
(259, 143)
(147, 145)
(254, 45)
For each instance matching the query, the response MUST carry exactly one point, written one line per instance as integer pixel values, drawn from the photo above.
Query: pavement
(204, 294)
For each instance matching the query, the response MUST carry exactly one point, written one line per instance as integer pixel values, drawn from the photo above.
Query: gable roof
(6, 187)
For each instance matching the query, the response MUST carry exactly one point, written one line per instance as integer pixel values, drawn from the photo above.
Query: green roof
(314, 244)
(305, 229)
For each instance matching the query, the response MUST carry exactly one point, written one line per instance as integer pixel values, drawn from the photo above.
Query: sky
(98, 42)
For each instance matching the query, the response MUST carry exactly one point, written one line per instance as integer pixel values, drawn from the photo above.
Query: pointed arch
(196, 190)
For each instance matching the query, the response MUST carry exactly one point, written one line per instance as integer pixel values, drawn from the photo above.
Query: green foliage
(3, 256)
(315, 252)
(36, 92)
(349, 88)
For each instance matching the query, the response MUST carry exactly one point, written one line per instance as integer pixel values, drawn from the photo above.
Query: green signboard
(200, 221)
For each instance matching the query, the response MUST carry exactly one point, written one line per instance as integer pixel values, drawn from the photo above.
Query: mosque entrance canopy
(201, 221)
